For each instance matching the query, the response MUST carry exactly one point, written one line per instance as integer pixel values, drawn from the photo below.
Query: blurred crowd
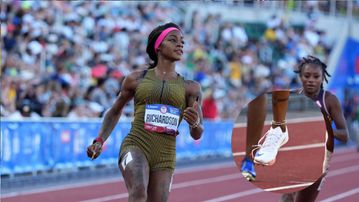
(313, 8)
(68, 58)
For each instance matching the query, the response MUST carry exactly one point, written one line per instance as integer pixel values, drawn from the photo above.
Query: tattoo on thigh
(126, 160)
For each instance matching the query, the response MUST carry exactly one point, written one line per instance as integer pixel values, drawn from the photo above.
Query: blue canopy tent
(345, 78)
(346, 74)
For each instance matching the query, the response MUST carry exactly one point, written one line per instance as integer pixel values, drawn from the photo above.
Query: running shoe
(267, 153)
(247, 169)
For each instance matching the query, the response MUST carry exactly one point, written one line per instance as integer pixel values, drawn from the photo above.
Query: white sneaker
(267, 152)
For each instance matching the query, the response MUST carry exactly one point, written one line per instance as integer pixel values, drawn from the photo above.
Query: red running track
(215, 182)
(302, 153)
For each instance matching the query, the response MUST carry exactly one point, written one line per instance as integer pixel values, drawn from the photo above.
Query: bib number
(161, 118)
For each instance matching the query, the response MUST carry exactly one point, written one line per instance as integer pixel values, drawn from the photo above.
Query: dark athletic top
(320, 101)
(159, 147)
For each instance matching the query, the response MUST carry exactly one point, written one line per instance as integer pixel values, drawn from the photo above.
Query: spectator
(63, 53)
(99, 94)
(25, 111)
(209, 106)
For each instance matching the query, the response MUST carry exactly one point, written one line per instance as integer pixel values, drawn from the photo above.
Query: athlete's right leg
(135, 171)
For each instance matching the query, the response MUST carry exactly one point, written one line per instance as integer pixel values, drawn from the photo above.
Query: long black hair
(313, 60)
(150, 50)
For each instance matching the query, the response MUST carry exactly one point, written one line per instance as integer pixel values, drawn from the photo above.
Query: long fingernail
(93, 155)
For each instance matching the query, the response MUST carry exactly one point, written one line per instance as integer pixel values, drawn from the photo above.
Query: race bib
(162, 118)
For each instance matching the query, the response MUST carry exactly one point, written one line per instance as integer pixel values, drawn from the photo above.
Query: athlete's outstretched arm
(114, 113)
(341, 130)
(193, 113)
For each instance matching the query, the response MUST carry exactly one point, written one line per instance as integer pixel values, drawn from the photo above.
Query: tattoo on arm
(108, 124)
(113, 114)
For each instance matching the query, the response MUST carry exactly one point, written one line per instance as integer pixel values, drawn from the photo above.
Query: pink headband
(163, 36)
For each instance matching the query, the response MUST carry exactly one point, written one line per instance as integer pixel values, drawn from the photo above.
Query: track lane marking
(289, 186)
(175, 186)
(184, 170)
(291, 148)
(341, 195)
(333, 173)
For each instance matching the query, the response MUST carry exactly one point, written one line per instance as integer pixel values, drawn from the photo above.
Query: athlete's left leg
(159, 185)
(257, 111)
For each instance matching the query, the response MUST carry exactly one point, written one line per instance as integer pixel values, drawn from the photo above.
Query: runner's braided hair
(313, 60)
(150, 50)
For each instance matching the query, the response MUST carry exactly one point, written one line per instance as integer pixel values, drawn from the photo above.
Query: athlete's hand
(94, 150)
(190, 114)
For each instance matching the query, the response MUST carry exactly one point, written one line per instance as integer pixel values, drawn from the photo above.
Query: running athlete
(162, 99)
(312, 72)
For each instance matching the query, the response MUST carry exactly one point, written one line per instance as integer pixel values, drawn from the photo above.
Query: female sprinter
(312, 72)
(162, 98)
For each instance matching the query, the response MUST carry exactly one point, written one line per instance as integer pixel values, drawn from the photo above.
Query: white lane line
(206, 181)
(342, 195)
(63, 187)
(291, 148)
(239, 154)
(289, 186)
(338, 159)
(344, 150)
(108, 198)
(343, 171)
(299, 147)
(205, 167)
(289, 121)
(200, 168)
(248, 192)
(224, 178)
(236, 195)
(174, 186)
(184, 170)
